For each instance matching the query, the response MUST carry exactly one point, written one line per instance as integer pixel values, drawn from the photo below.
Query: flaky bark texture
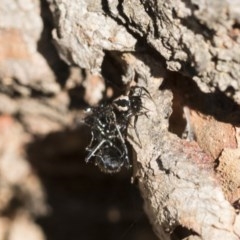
(185, 53)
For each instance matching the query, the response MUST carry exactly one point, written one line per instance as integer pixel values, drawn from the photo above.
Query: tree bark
(185, 53)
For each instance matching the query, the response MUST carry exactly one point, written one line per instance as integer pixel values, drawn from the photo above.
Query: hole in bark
(112, 70)
(182, 233)
(16, 203)
(114, 67)
(234, 32)
(76, 98)
(236, 205)
(236, 25)
(192, 6)
(216, 163)
(187, 93)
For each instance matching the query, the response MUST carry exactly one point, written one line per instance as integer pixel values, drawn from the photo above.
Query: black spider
(108, 140)
(131, 106)
(108, 125)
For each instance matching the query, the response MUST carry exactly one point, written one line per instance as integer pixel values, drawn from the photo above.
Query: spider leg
(92, 139)
(136, 131)
(122, 140)
(95, 149)
(142, 92)
(123, 145)
(146, 92)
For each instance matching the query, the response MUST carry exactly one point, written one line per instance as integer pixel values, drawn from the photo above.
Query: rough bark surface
(185, 53)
